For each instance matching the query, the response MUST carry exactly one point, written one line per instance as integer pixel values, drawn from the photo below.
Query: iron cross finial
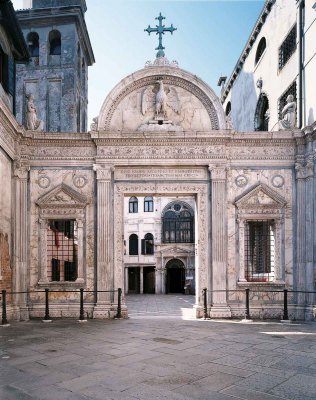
(160, 30)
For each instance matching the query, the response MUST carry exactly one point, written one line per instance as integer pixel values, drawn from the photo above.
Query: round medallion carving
(241, 180)
(43, 182)
(277, 181)
(80, 181)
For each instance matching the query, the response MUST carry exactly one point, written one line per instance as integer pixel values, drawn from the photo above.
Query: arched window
(133, 245)
(228, 108)
(148, 244)
(260, 49)
(148, 204)
(33, 43)
(133, 205)
(262, 114)
(178, 223)
(54, 39)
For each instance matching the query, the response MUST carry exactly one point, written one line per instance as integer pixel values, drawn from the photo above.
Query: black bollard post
(119, 303)
(247, 316)
(205, 302)
(285, 310)
(4, 308)
(47, 317)
(81, 317)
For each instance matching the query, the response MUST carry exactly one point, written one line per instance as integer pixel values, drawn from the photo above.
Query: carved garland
(169, 80)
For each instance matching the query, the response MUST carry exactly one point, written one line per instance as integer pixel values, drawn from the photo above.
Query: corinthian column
(20, 237)
(219, 241)
(104, 233)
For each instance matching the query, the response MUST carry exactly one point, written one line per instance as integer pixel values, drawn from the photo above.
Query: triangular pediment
(260, 195)
(62, 196)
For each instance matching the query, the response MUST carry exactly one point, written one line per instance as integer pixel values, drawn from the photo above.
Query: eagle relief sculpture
(160, 99)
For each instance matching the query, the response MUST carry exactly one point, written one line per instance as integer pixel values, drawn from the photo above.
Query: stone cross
(160, 30)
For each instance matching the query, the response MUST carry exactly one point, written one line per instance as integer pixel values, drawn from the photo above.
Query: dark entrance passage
(175, 276)
(149, 279)
(133, 280)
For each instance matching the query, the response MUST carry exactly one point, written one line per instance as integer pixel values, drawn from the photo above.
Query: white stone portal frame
(200, 191)
(175, 76)
(261, 203)
(53, 206)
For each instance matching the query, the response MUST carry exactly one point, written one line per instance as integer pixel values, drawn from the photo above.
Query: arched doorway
(175, 276)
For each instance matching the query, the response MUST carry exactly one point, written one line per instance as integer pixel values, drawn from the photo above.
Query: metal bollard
(81, 317)
(119, 303)
(47, 317)
(285, 309)
(4, 308)
(247, 316)
(205, 302)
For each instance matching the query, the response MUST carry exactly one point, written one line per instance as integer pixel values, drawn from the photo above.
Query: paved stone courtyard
(153, 355)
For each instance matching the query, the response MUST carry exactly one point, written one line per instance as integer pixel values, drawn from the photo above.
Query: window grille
(148, 204)
(133, 205)
(287, 48)
(62, 250)
(260, 250)
(260, 49)
(178, 224)
(133, 245)
(148, 244)
(282, 100)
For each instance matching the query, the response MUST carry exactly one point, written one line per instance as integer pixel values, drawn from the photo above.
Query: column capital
(21, 171)
(300, 171)
(218, 172)
(104, 172)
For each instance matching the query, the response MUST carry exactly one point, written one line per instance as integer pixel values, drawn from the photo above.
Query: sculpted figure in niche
(288, 114)
(32, 123)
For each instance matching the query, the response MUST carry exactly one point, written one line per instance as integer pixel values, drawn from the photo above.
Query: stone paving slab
(157, 357)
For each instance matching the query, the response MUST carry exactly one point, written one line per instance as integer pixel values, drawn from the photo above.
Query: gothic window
(178, 224)
(262, 113)
(287, 48)
(259, 250)
(62, 250)
(148, 204)
(260, 49)
(282, 100)
(133, 245)
(148, 244)
(133, 205)
(33, 44)
(54, 39)
(228, 108)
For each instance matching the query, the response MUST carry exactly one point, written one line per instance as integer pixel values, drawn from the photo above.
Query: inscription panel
(160, 174)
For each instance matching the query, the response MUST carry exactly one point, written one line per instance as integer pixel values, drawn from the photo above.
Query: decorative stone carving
(94, 124)
(32, 122)
(288, 114)
(161, 62)
(241, 180)
(277, 181)
(79, 181)
(43, 182)
(62, 196)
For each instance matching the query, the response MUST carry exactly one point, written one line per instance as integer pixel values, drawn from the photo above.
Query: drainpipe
(301, 7)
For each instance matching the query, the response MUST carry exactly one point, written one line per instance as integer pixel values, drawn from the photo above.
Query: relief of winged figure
(161, 99)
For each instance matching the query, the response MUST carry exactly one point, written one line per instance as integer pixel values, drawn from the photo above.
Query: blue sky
(209, 38)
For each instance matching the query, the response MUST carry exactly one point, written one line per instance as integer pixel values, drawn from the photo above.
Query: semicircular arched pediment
(186, 103)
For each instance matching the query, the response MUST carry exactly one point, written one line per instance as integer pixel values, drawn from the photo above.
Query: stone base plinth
(220, 311)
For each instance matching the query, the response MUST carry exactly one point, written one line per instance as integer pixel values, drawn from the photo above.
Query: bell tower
(57, 74)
